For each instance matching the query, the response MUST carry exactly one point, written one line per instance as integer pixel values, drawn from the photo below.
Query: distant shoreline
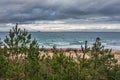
(82, 30)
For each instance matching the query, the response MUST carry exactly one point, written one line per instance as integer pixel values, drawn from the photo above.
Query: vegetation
(21, 59)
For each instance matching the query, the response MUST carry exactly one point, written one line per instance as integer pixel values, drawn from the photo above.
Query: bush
(21, 59)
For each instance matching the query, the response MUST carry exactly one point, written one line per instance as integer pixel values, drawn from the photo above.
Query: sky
(60, 15)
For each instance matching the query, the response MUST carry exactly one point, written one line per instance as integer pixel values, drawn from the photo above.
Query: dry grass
(67, 51)
(117, 55)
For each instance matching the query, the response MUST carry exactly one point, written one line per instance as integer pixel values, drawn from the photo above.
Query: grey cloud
(113, 9)
(12, 11)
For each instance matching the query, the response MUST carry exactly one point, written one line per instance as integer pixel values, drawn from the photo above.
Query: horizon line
(80, 30)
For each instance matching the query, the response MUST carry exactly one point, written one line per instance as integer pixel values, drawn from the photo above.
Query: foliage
(22, 59)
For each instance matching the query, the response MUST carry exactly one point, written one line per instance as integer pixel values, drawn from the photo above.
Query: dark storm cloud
(12, 11)
(113, 9)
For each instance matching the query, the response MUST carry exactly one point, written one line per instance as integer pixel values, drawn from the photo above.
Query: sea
(73, 39)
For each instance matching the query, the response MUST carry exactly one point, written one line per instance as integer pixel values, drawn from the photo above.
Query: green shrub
(21, 59)
(3, 62)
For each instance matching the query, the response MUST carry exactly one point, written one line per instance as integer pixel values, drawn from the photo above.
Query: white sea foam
(69, 45)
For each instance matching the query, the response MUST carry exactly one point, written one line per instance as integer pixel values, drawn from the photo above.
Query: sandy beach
(116, 54)
(68, 52)
(73, 51)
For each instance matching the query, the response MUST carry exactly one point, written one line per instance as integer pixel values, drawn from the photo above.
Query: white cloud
(67, 27)
(63, 25)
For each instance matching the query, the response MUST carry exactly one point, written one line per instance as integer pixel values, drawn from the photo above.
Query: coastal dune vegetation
(21, 58)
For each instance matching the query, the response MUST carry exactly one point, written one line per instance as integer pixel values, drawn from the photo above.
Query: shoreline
(71, 49)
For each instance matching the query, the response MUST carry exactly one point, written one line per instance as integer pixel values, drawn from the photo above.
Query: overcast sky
(60, 14)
